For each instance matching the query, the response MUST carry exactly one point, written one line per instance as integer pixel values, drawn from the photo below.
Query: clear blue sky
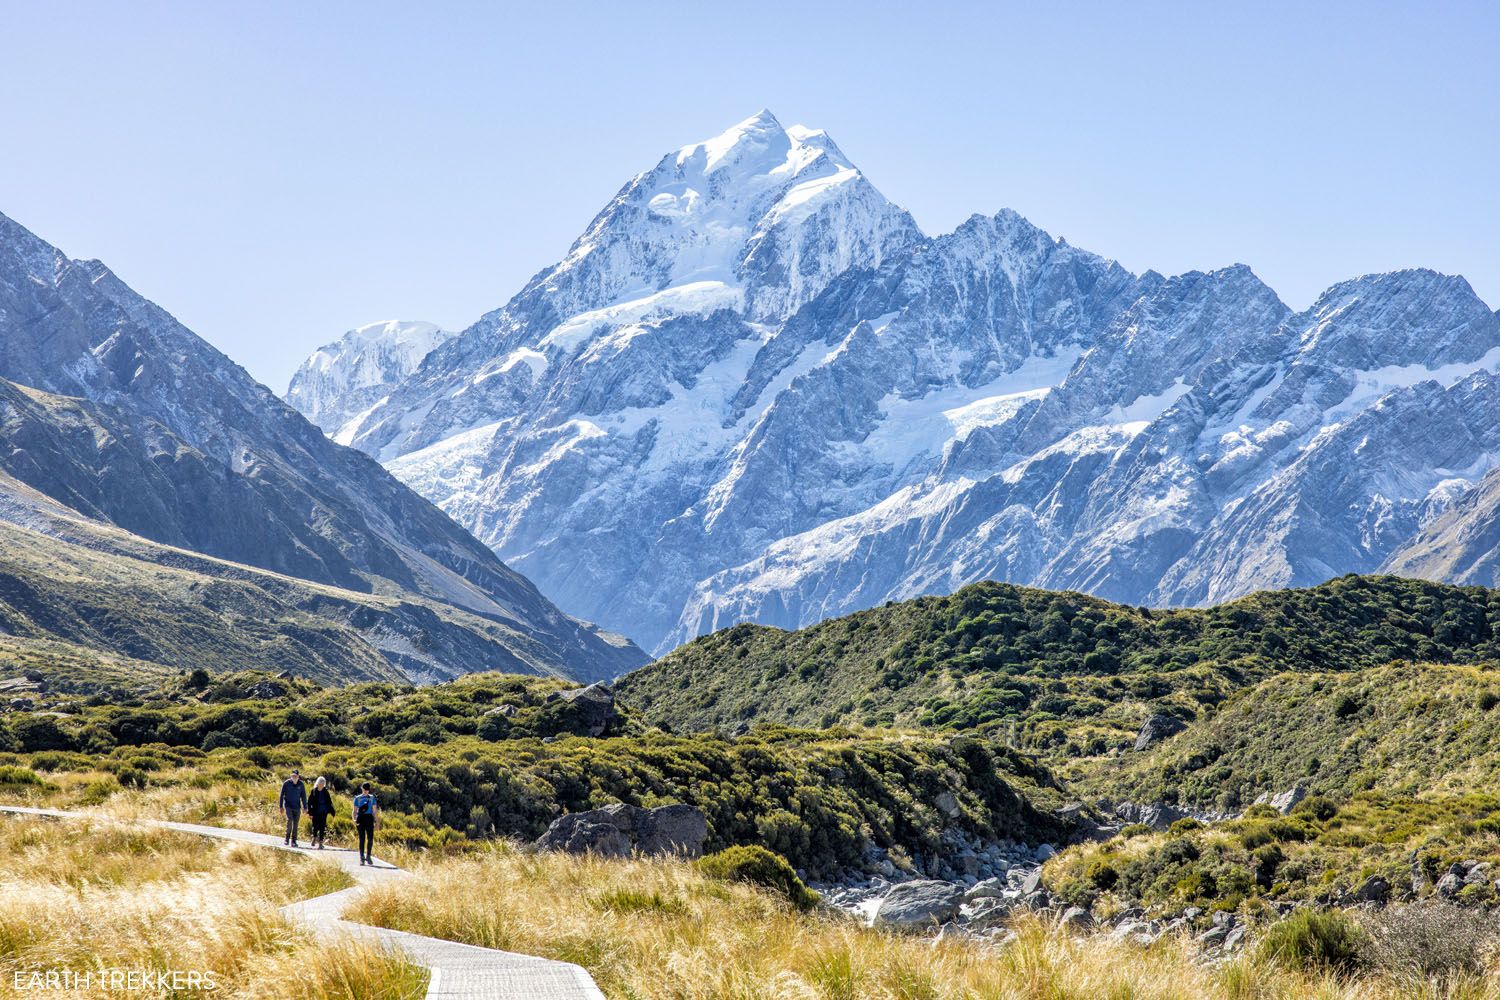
(276, 173)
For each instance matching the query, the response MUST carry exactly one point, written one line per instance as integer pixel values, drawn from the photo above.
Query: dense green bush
(758, 866)
(1312, 940)
(13, 777)
(1102, 875)
(493, 755)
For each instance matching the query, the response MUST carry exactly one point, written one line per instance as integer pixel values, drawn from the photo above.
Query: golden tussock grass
(78, 897)
(657, 930)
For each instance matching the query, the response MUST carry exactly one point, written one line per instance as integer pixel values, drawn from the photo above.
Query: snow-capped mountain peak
(757, 219)
(342, 379)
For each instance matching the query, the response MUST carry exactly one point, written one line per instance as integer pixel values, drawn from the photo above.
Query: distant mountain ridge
(345, 378)
(117, 412)
(754, 391)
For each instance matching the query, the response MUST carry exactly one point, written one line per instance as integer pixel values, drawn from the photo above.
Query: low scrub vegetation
(755, 865)
(1061, 674)
(1322, 853)
(1402, 728)
(816, 798)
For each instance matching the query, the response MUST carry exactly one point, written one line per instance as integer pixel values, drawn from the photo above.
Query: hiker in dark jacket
(366, 809)
(293, 801)
(319, 808)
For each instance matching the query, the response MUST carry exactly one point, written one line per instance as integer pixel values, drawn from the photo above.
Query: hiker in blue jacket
(366, 809)
(293, 801)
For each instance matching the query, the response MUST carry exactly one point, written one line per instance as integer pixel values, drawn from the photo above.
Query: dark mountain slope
(159, 433)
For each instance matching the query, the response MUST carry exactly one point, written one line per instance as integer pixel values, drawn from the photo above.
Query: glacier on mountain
(754, 390)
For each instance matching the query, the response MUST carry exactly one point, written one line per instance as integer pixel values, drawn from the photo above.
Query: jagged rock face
(345, 378)
(670, 436)
(117, 411)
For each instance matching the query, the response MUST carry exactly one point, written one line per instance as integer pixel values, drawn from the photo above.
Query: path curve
(459, 971)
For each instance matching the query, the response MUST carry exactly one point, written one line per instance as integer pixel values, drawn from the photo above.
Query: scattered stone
(1213, 937)
(1373, 890)
(1233, 938)
(919, 904)
(678, 829)
(1283, 801)
(990, 888)
(1449, 885)
(952, 932)
(1134, 932)
(267, 690)
(1076, 918)
(1044, 852)
(1156, 728)
(988, 913)
(947, 804)
(1032, 883)
(1157, 817)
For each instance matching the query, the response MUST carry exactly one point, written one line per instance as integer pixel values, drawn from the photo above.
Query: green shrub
(1136, 830)
(1314, 941)
(131, 777)
(758, 866)
(1262, 811)
(1318, 807)
(1102, 875)
(630, 901)
(1185, 825)
(14, 777)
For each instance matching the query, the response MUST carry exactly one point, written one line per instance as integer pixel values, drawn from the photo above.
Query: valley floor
(106, 894)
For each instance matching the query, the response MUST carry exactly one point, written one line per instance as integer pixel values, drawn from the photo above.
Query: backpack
(365, 805)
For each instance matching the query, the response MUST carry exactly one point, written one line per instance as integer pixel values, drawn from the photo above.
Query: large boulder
(592, 709)
(620, 830)
(1156, 728)
(575, 834)
(919, 904)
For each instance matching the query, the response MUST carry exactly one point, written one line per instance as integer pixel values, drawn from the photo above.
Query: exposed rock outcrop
(621, 830)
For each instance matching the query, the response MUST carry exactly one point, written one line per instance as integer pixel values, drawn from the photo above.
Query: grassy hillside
(664, 930)
(1401, 728)
(1057, 672)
